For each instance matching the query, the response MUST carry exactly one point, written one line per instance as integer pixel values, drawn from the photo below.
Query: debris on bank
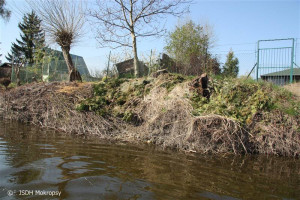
(202, 114)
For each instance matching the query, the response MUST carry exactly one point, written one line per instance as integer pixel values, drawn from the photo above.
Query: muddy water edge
(32, 159)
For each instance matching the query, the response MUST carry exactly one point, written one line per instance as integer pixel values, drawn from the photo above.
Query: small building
(126, 68)
(166, 62)
(5, 70)
(282, 77)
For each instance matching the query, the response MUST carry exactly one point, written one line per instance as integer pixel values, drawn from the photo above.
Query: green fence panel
(275, 61)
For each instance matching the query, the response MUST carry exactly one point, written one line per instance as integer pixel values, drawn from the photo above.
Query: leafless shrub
(119, 20)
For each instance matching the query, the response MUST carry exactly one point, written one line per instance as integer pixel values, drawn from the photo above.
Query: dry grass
(169, 123)
(294, 88)
(276, 133)
(74, 88)
(45, 105)
(161, 116)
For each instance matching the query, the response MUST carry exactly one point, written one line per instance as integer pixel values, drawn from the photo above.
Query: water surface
(32, 160)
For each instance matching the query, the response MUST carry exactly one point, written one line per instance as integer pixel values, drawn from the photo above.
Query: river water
(44, 164)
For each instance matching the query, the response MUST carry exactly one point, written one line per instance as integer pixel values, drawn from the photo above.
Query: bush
(240, 99)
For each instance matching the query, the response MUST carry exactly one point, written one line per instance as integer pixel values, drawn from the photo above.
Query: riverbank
(40, 159)
(241, 116)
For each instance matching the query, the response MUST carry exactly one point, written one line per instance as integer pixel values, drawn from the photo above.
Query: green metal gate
(275, 61)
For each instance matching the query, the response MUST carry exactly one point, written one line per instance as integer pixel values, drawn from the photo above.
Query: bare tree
(119, 20)
(63, 22)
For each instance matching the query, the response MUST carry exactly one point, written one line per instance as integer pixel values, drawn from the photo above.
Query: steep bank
(240, 117)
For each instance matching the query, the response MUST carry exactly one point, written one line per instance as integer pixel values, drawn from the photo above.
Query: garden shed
(5, 70)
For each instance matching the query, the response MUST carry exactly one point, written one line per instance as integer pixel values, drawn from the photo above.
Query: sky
(236, 25)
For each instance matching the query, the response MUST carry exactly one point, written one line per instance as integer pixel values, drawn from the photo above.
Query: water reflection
(33, 159)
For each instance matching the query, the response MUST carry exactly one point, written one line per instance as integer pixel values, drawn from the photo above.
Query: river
(44, 164)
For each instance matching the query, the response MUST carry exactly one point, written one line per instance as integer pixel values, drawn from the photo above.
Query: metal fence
(53, 70)
(270, 60)
(275, 61)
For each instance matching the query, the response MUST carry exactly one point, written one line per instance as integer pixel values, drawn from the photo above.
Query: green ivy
(240, 99)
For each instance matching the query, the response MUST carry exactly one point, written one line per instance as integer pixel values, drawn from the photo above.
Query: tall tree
(189, 45)
(4, 12)
(63, 22)
(119, 20)
(231, 67)
(32, 39)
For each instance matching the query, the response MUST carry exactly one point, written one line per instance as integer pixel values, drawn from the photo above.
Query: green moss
(108, 95)
(128, 115)
(239, 99)
(104, 94)
(173, 80)
(139, 90)
(163, 110)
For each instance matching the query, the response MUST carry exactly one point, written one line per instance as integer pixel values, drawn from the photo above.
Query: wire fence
(54, 70)
(274, 63)
(95, 68)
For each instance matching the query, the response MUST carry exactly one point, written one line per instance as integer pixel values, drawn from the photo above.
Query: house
(282, 77)
(5, 70)
(127, 68)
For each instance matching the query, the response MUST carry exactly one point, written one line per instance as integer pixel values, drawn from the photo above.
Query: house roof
(296, 72)
(125, 62)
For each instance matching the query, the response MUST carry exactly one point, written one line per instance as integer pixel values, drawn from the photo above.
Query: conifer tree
(231, 67)
(32, 40)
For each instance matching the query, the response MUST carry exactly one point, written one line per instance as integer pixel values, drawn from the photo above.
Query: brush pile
(239, 117)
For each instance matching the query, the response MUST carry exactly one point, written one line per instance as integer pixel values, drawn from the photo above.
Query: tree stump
(75, 76)
(200, 84)
(5, 82)
(159, 72)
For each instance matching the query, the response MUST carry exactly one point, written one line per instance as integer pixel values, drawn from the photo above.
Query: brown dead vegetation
(162, 117)
(53, 106)
(294, 88)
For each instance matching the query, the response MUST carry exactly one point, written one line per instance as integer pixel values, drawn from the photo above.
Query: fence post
(12, 69)
(150, 63)
(257, 67)
(48, 69)
(26, 75)
(43, 68)
(292, 61)
(108, 63)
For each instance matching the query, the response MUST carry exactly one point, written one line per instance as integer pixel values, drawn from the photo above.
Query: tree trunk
(74, 75)
(135, 58)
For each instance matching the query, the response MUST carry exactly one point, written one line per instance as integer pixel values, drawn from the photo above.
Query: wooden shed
(5, 70)
(126, 67)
